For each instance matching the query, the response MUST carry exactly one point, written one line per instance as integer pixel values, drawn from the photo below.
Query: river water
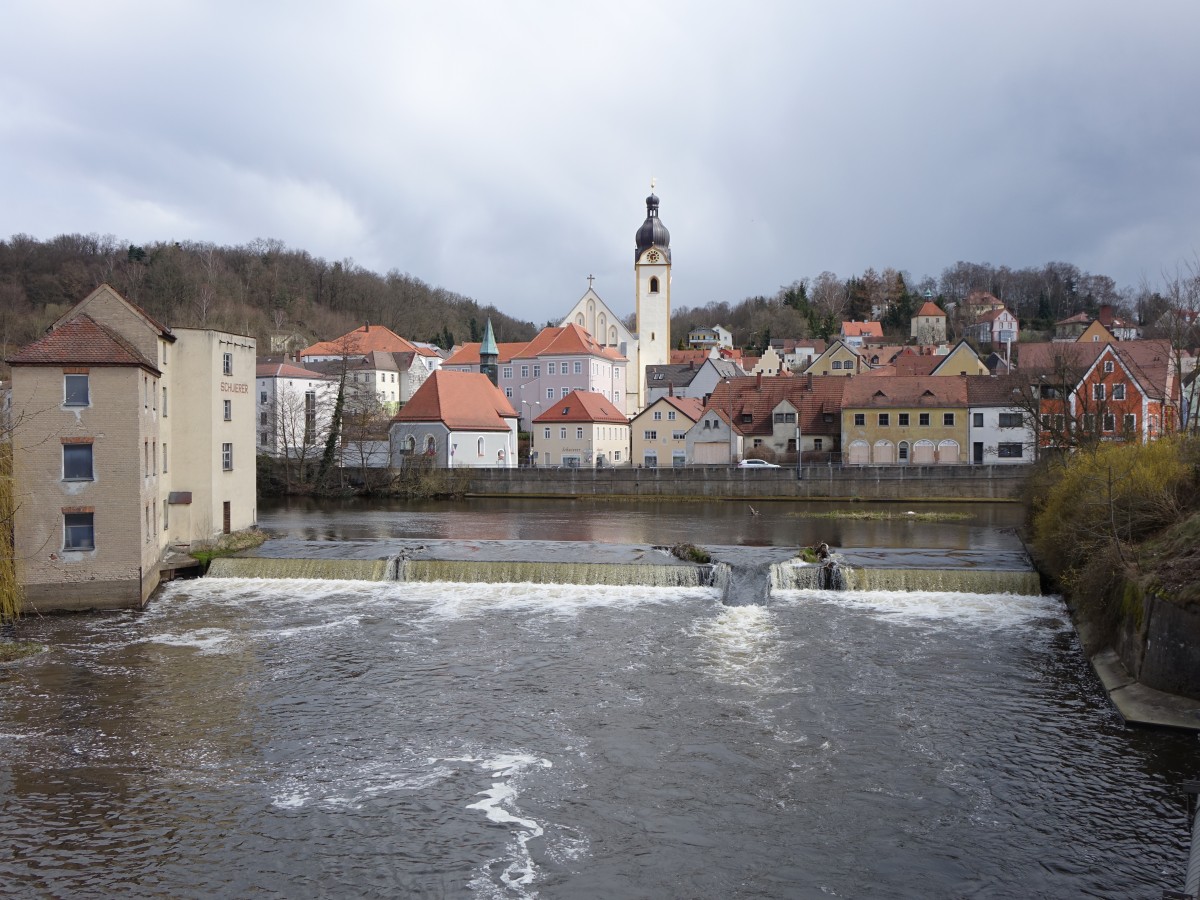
(328, 739)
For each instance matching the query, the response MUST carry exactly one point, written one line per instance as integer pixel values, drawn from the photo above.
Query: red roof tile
(929, 308)
(462, 401)
(814, 397)
(284, 370)
(81, 341)
(583, 406)
(362, 341)
(903, 391)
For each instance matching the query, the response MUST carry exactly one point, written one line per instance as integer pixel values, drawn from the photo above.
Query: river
(326, 739)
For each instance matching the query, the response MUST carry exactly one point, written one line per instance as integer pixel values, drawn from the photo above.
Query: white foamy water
(499, 804)
(206, 640)
(740, 646)
(453, 601)
(925, 607)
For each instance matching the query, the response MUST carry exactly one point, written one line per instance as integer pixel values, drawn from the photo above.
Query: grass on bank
(885, 515)
(11, 651)
(229, 544)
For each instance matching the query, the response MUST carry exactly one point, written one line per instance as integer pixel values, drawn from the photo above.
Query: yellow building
(127, 437)
(900, 420)
(659, 432)
(838, 359)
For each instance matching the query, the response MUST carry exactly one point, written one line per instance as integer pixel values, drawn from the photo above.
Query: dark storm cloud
(504, 150)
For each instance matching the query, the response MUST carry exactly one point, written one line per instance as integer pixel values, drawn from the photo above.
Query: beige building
(659, 432)
(127, 437)
(582, 430)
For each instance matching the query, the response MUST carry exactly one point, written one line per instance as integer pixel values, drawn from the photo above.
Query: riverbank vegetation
(1115, 522)
(418, 479)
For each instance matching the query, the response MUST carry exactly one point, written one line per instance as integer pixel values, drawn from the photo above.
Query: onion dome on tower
(653, 232)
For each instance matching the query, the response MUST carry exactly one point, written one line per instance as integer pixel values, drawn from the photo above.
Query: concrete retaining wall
(816, 482)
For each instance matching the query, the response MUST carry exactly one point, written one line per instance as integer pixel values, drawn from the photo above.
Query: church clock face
(652, 256)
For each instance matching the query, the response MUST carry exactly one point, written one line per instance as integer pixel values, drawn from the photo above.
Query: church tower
(489, 355)
(652, 272)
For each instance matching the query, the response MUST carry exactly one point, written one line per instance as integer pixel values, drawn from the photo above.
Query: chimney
(1106, 316)
(809, 386)
(758, 382)
(670, 390)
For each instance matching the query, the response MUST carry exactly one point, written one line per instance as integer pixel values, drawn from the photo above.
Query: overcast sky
(504, 150)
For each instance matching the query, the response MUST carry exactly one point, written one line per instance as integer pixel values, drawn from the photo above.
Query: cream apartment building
(127, 437)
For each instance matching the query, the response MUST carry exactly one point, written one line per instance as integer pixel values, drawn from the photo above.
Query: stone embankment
(915, 483)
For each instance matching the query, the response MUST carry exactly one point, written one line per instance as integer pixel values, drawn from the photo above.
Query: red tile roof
(814, 397)
(691, 407)
(284, 370)
(929, 308)
(904, 391)
(583, 406)
(862, 329)
(81, 341)
(462, 401)
(565, 340)
(362, 341)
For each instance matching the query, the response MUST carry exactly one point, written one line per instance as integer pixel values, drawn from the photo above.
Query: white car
(756, 464)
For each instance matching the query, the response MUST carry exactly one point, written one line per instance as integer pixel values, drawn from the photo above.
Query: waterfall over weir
(742, 575)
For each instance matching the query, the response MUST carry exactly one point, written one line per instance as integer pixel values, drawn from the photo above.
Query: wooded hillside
(259, 289)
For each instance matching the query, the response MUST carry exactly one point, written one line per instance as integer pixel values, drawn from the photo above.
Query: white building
(456, 420)
(582, 430)
(652, 305)
(293, 408)
(999, 431)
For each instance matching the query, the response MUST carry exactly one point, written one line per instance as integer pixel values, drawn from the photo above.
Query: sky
(504, 150)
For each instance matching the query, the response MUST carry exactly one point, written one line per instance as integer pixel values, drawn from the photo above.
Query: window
(1110, 422)
(977, 419)
(902, 450)
(707, 423)
(1010, 420)
(508, 392)
(579, 433)
(1130, 422)
(264, 418)
(1089, 421)
(650, 435)
(227, 363)
(1010, 451)
(885, 420)
(507, 372)
(537, 370)
(75, 390)
(1119, 391)
(654, 285)
(758, 442)
(670, 415)
(551, 368)
(549, 393)
(227, 457)
(657, 416)
(77, 462)
(228, 404)
(783, 418)
(677, 435)
(818, 443)
(922, 418)
(562, 434)
(860, 419)
(264, 438)
(164, 402)
(903, 419)
(837, 364)
(578, 368)
(546, 433)
(1108, 365)
(78, 531)
(947, 419)
(479, 447)
(1097, 392)
(524, 371)
(164, 456)
(565, 391)
(310, 416)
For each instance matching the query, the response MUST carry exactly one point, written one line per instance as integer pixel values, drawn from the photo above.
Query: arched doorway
(859, 453)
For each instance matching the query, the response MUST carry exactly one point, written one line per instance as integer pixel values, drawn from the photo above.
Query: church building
(651, 345)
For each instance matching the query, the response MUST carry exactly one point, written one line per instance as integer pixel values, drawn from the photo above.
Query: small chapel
(651, 345)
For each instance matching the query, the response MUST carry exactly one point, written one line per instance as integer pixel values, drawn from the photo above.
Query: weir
(742, 575)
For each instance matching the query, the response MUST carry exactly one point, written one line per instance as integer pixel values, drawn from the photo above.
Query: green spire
(488, 347)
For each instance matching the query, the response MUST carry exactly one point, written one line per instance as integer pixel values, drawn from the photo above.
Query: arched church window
(654, 285)
(601, 325)
(479, 447)
(410, 444)
(612, 335)
(579, 320)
